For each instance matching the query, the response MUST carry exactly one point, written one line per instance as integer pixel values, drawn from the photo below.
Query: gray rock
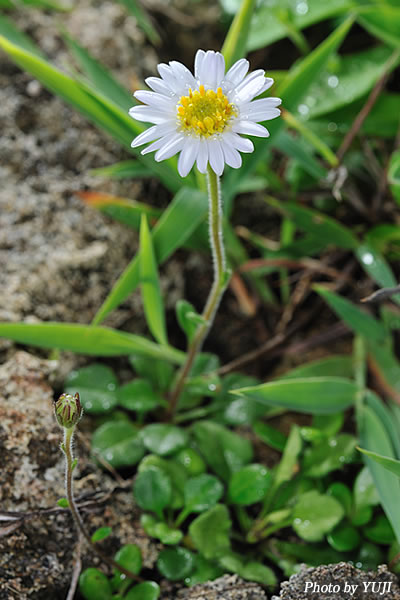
(340, 581)
(228, 587)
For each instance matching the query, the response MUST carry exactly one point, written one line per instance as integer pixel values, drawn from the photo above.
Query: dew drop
(303, 109)
(111, 387)
(109, 455)
(367, 258)
(212, 387)
(332, 127)
(333, 81)
(88, 405)
(302, 8)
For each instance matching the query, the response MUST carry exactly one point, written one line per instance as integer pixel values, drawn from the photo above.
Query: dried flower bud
(68, 410)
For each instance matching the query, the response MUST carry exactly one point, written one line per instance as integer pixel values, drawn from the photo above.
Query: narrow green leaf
(125, 169)
(11, 33)
(101, 534)
(374, 438)
(358, 320)
(318, 224)
(101, 78)
(143, 20)
(391, 464)
(234, 46)
(84, 339)
(315, 395)
(382, 21)
(150, 285)
(286, 467)
(187, 210)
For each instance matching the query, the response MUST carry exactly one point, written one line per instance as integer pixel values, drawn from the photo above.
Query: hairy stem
(69, 467)
(217, 289)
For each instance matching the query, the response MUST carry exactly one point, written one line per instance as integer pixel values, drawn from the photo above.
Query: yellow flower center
(205, 113)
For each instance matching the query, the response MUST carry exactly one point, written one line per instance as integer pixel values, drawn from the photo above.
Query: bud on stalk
(68, 410)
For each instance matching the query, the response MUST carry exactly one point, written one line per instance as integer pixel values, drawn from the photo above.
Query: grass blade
(86, 339)
(150, 284)
(182, 217)
(235, 43)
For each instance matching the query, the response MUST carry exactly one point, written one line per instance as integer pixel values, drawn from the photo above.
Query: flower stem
(217, 289)
(69, 467)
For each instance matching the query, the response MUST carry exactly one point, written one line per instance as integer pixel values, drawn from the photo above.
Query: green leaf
(358, 320)
(375, 438)
(191, 461)
(94, 585)
(202, 492)
(270, 436)
(99, 76)
(217, 521)
(160, 530)
(187, 210)
(344, 538)
(329, 455)
(188, 318)
(204, 571)
(275, 20)
(150, 284)
(315, 515)
(315, 395)
(351, 77)
(152, 490)
(143, 21)
(124, 210)
(84, 339)
(380, 531)
(118, 443)
(318, 224)
(365, 492)
(147, 590)
(234, 46)
(330, 366)
(176, 473)
(158, 372)
(63, 502)
(163, 439)
(223, 450)
(393, 175)
(375, 265)
(391, 464)
(175, 563)
(101, 534)
(138, 395)
(130, 557)
(256, 571)
(125, 169)
(382, 21)
(342, 493)
(249, 485)
(286, 468)
(96, 385)
(370, 556)
(10, 32)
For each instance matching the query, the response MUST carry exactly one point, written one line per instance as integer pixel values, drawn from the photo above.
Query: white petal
(167, 75)
(250, 128)
(232, 156)
(211, 71)
(158, 85)
(182, 74)
(237, 71)
(250, 86)
(261, 104)
(188, 155)
(241, 144)
(148, 114)
(154, 146)
(172, 144)
(157, 101)
(202, 156)
(198, 61)
(216, 156)
(264, 115)
(153, 133)
(268, 82)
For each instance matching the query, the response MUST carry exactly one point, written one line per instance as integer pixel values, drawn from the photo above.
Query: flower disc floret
(204, 112)
(203, 116)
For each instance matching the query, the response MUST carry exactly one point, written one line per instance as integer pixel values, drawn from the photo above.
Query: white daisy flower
(201, 116)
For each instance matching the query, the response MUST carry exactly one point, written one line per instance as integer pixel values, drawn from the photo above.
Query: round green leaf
(119, 443)
(175, 563)
(202, 492)
(167, 535)
(130, 557)
(315, 514)
(101, 534)
(204, 571)
(361, 515)
(138, 395)
(175, 472)
(255, 571)
(163, 439)
(380, 531)
(369, 557)
(148, 590)
(344, 538)
(249, 485)
(210, 532)
(96, 385)
(341, 492)
(365, 492)
(94, 585)
(192, 461)
(152, 490)
(330, 454)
